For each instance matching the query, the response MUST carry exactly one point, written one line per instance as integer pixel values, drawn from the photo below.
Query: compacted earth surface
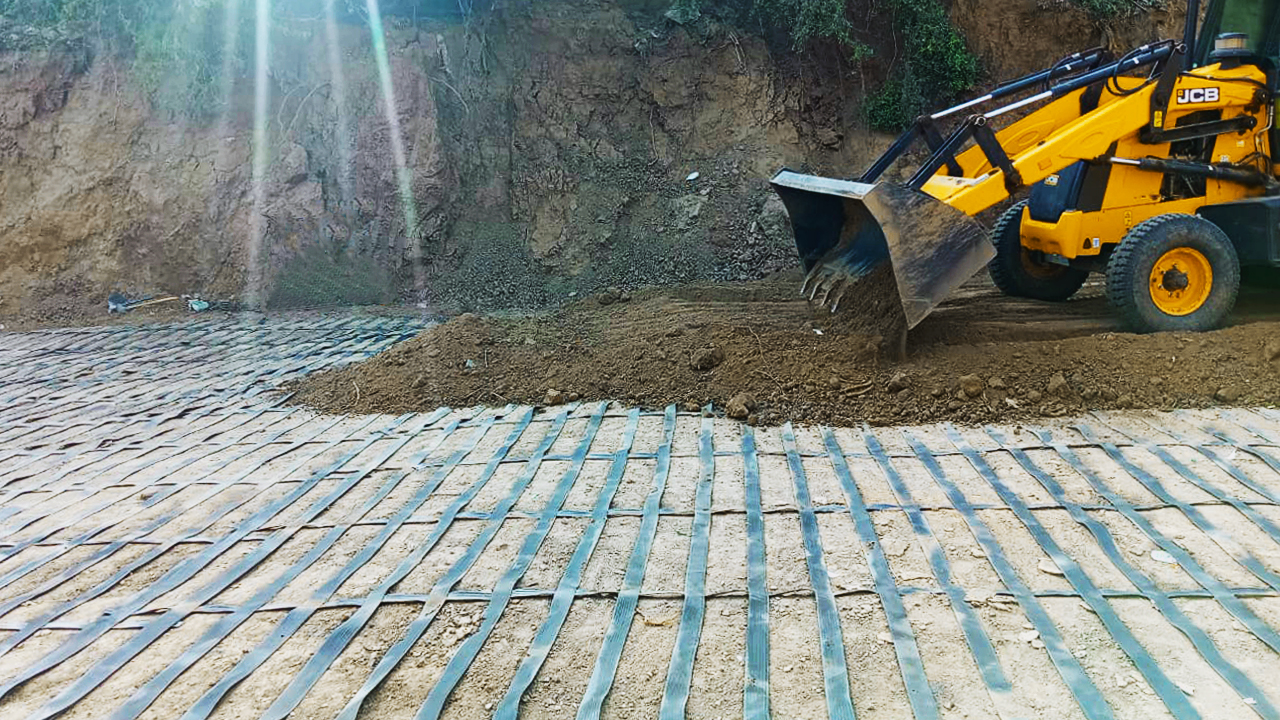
(178, 541)
(759, 352)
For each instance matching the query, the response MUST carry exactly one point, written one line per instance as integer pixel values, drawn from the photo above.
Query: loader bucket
(844, 230)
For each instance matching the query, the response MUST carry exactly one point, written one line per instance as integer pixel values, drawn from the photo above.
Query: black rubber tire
(1009, 269)
(1129, 273)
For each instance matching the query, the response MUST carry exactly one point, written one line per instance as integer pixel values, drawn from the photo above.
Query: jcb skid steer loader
(1154, 168)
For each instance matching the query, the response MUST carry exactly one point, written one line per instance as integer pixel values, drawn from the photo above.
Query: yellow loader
(1153, 168)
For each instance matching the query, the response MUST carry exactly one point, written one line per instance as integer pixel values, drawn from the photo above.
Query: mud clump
(754, 352)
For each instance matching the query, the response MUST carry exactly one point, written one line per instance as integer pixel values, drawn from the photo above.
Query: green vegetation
(932, 67)
(181, 48)
(935, 67)
(1109, 9)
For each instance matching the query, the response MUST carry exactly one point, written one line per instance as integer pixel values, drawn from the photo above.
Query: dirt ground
(151, 477)
(980, 357)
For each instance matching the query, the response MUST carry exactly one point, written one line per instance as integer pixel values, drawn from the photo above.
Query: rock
(972, 385)
(433, 353)
(996, 383)
(894, 547)
(753, 420)
(1058, 384)
(1029, 635)
(606, 299)
(954, 405)
(686, 209)
(691, 406)
(1227, 395)
(707, 359)
(1049, 567)
(554, 397)
(741, 406)
(1124, 401)
(1037, 644)
(833, 383)
(573, 397)
(1163, 557)
(899, 382)
(1271, 351)
(1034, 396)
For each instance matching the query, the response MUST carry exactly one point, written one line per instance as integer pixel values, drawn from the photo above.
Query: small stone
(554, 397)
(1123, 681)
(1048, 567)
(1124, 401)
(1029, 635)
(884, 638)
(1186, 688)
(972, 385)
(573, 397)
(691, 407)
(1037, 644)
(899, 382)
(433, 353)
(707, 359)
(977, 552)
(1034, 396)
(954, 405)
(753, 420)
(996, 383)
(1161, 556)
(1271, 351)
(1058, 384)
(894, 547)
(741, 406)
(1227, 395)
(834, 383)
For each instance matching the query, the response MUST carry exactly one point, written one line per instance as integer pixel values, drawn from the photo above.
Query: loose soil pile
(754, 350)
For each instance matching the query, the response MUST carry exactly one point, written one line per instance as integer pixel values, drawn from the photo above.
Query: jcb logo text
(1195, 96)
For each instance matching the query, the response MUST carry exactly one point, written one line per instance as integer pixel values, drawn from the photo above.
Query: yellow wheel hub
(1180, 281)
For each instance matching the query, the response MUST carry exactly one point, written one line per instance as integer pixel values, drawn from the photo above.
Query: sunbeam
(403, 179)
(261, 154)
(343, 132)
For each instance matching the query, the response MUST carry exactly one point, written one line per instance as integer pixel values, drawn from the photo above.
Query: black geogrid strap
(104, 550)
(440, 590)
(1146, 588)
(1091, 700)
(1187, 563)
(433, 706)
(84, 514)
(180, 573)
(835, 672)
(1220, 538)
(675, 693)
(755, 694)
(615, 637)
(567, 589)
(984, 652)
(103, 669)
(924, 706)
(297, 616)
(1170, 693)
(1216, 492)
(106, 585)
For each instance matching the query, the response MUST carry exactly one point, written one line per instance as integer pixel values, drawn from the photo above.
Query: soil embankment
(980, 357)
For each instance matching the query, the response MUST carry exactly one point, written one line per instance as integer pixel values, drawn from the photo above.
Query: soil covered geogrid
(980, 358)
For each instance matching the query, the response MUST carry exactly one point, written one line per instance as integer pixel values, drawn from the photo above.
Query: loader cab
(1257, 20)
